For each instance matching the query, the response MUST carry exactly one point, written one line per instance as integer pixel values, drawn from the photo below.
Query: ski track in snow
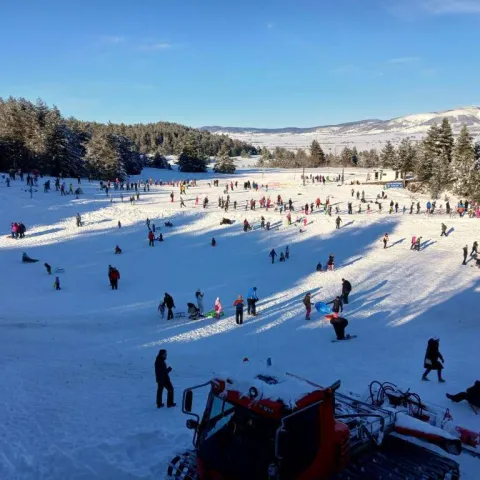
(77, 396)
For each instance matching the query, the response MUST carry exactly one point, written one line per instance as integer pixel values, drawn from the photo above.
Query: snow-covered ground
(77, 386)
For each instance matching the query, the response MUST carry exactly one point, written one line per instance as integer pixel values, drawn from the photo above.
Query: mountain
(413, 124)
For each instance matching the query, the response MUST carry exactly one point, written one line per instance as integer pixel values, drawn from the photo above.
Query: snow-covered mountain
(418, 123)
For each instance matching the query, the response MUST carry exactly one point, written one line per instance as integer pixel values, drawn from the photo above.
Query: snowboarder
(433, 360)
(170, 304)
(199, 296)
(385, 240)
(238, 304)
(307, 301)
(218, 308)
(338, 221)
(471, 395)
(214, 242)
(273, 254)
(337, 305)
(252, 299)
(339, 324)
(114, 276)
(161, 309)
(346, 289)
(163, 380)
(48, 267)
(474, 249)
(151, 238)
(465, 254)
(56, 283)
(444, 230)
(118, 250)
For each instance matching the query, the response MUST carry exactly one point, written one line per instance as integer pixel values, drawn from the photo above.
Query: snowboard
(349, 337)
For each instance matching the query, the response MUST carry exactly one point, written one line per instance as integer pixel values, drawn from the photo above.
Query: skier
(48, 267)
(444, 230)
(163, 380)
(287, 252)
(238, 304)
(433, 360)
(170, 304)
(471, 395)
(385, 240)
(151, 238)
(338, 221)
(339, 324)
(199, 296)
(161, 309)
(214, 242)
(465, 254)
(474, 249)
(307, 301)
(273, 254)
(218, 308)
(252, 299)
(337, 306)
(114, 276)
(56, 284)
(346, 289)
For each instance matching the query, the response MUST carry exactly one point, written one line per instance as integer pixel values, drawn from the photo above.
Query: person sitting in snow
(319, 267)
(160, 238)
(118, 250)
(471, 395)
(282, 257)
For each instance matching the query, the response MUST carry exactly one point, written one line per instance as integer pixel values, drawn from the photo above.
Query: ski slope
(77, 396)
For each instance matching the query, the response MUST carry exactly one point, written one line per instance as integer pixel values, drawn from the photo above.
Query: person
(307, 301)
(114, 276)
(337, 305)
(238, 304)
(170, 304)
(160, 238)
(418, 244)
(199, 296)
(48, 267)
(319, 267)
(218, 308)
(282, 257)
(433, 359)
(273, 254)
(474, 249)
(252, 299)
(465, 254)
(163, 380)
(214, 242)
(385, 240)
(161, 309)
(151, 239)
(287, 253)
(79, 220)
(471, 395)
(119, 224)
(56, 284)
(331, 262)
(414, 242)
(339, 324)
(118, 250)
(346, 289)
(444, 230)
(338, 221)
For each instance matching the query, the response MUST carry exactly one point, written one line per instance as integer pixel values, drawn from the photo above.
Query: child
(56, 284)
(118, 250)
(161, 309)
(319, 266)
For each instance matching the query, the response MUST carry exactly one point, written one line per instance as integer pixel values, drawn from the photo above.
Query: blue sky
(264, 63)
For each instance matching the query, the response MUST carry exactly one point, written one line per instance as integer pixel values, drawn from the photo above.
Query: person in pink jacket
(218, 308)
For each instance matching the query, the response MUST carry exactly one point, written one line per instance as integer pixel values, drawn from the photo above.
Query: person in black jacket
(471, 395)
(433, 359)
(465, 254)
(337, 305)
(163, 380)
(169, 303)
(346, 289)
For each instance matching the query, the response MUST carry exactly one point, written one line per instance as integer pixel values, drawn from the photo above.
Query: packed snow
(77, 396)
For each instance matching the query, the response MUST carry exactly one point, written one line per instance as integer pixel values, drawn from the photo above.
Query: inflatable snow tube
(322, 307)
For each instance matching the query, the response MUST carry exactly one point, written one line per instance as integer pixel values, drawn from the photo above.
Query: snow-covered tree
(191, 159)
(406, 156)
(317, 155)
(388, 156)
(465, 171)
(224, 164)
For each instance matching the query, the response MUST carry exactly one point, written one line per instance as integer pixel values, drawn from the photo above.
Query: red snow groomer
(283, 427)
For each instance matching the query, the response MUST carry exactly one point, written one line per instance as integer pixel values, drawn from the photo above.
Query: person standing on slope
(346, 289)
(238, 304)
(151, 239)
(170, 304)
(433, 360)
(338, 221)
(337, 305)
(199, 296)
(252, 299)
(114, 276)
(444, 230)
(163, 380)
(287, 252)
(307, 301)
(273, 254)
(385, 240)
(465, 254)
(218, 308)
(474, 249)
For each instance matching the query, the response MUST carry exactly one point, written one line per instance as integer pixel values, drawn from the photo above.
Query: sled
(347, 337)
(180, 314)
(213, 314)
(59, 270)
(322, 307)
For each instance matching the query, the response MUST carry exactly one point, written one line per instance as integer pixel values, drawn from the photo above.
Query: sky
(263, 63)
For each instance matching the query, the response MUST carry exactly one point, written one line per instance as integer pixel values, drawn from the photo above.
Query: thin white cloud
(404, 60)
(439, 7)
(155, 46)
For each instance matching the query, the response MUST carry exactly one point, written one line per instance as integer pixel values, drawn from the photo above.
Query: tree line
(36, 137)
(439, 162)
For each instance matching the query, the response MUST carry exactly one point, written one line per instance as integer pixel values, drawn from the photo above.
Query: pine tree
(464, 163)
(388, 156)
(406, 156)
(427, 153)
(103, 158)
(442, 169)
(317, 155)
(224, 164)
(191, 160)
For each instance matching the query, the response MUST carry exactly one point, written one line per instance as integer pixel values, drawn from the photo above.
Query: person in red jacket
(151, 238)
(114, 278)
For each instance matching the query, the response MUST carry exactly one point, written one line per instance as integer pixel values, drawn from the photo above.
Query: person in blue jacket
(252, 298)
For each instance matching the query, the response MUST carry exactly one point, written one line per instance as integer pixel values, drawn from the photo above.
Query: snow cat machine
(284, 427)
